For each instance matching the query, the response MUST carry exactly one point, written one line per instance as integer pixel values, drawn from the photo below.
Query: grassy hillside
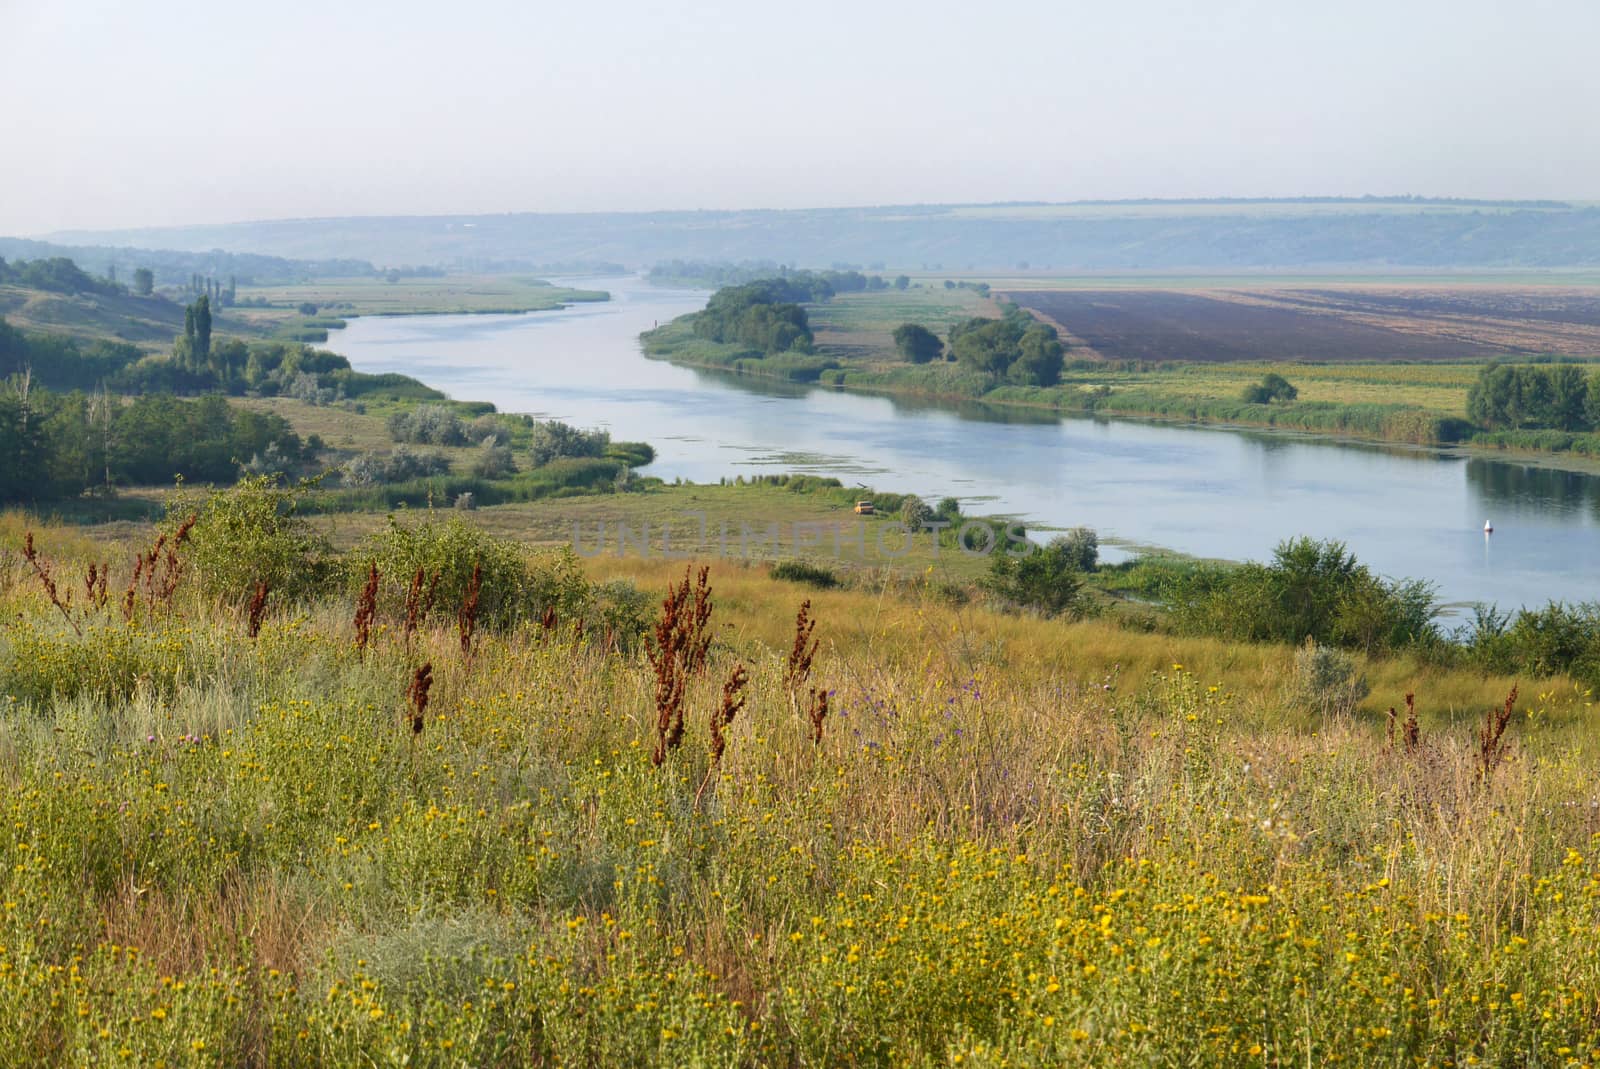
(149, 322)
(242, 835)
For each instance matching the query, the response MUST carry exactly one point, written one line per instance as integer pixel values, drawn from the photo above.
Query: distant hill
(149, 322)
(1234, 235)
(173, 267)
(57, 297)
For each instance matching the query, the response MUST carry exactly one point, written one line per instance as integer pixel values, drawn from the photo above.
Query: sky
(164, 112)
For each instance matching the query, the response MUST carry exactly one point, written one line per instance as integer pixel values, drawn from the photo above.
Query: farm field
(860, 325)
(1321, 325)
(421, 296)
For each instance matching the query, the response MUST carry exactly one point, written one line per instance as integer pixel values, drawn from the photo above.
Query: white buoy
(1488, 528)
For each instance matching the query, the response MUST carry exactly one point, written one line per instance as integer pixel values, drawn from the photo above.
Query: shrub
(247, 535)
(1325, 681)
(402, 465)
(554, 440)
(514, 587)
(493, 462)
(1311, 589)
(914, 512)
(1082, 545)
(917, 343)
(428, 425)
(1272, 387)
(489, 430)
(798, 571)
(1046, 580)
(622, 611)
(634, 454)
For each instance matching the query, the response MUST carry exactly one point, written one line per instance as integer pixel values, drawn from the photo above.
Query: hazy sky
(164, 112)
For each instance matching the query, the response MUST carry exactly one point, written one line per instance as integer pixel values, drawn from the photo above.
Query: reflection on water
(1203, 490)
(1502, 483)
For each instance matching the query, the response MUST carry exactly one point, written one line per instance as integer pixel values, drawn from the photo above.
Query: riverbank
(1206, 491)
(1341, 402)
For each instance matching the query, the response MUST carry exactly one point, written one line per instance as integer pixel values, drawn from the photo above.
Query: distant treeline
(55, 445)
(1561, 397)
(173, 268)
(506, 266)
(817, 285)
(57, 275)
(232, 366)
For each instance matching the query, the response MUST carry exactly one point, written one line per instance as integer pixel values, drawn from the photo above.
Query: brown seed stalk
(1492, 744)
(413, 606)
(367, 608)
(682, 642)
(417, 695)
(467, 617)
(798, 668)
(733, 698)
(818, 712)
(41, 568)
(258, 606)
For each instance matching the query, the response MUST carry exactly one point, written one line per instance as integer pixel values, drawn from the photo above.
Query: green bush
(514, 587)
(1046, 580)
(798, 571)
(1310, 589)
(248, 534)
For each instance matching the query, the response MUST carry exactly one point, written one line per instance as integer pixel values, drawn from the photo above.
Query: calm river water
(1205, 491)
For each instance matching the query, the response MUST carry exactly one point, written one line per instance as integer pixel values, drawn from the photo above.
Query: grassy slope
(997, 853)
(819, 528)
(149, 322)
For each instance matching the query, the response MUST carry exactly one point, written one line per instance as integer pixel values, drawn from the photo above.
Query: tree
(761, 315)
(1272, 387)
(144, 282)
(202, 329)
(917, 343)
(1569, 394)
(1013, 347)
(902, 282)
(1040, 358)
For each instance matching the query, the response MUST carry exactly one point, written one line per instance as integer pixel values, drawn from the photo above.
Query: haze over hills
(1264, 235)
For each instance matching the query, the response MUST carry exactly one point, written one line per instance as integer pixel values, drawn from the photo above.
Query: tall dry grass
(1015, 842)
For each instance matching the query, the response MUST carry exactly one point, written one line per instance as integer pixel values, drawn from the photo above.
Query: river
(1207, 491)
